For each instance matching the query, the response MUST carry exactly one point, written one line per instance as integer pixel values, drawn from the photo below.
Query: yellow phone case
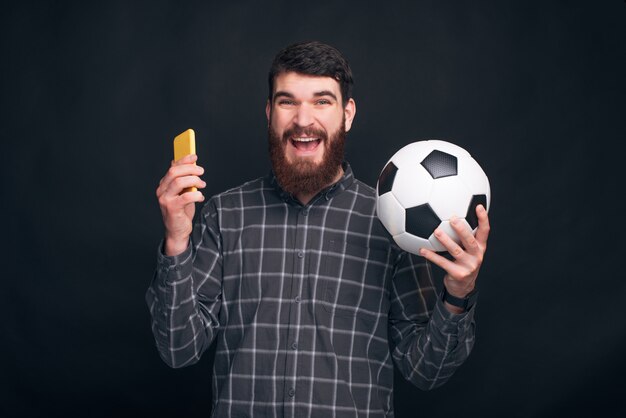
(185, 144)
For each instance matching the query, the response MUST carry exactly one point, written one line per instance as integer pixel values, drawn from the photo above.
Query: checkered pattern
(309, 305)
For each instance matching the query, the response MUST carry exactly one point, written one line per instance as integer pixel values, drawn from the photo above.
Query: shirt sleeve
(184, 297)
(428, 342)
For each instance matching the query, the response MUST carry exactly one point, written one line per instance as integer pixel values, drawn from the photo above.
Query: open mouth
(305, 143)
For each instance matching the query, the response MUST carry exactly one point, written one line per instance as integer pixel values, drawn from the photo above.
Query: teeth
(304, 139)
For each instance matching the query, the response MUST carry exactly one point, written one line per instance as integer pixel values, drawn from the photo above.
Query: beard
(303, 175)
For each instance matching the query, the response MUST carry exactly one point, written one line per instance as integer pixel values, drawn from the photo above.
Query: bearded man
(309, 300)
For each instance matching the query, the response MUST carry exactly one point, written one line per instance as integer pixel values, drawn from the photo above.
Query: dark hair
(313, 58)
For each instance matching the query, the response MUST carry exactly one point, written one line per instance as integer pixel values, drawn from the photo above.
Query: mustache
(304, 132)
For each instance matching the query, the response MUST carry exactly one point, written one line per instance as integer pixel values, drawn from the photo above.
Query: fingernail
(454, 220)
(422, 252)
(437, 231)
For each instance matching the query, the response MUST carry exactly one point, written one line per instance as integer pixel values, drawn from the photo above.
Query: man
(296, 278)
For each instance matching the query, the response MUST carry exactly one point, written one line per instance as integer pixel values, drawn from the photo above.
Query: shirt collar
(329, 192)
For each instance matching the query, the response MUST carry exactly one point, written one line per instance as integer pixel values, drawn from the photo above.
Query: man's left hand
(461, 275)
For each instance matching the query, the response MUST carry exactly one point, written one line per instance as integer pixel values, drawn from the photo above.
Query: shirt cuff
(173, 267)
(450, 322)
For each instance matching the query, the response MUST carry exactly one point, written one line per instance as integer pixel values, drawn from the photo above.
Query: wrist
(453, 309)
(457, 304)
(173, 247)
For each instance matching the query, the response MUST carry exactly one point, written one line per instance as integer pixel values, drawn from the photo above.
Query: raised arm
(184, 297)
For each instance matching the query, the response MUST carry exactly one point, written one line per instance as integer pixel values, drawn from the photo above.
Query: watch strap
(465, 303)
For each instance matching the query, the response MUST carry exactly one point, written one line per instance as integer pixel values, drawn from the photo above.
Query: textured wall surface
(94, 92)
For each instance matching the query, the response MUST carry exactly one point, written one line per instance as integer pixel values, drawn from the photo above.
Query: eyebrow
(316, 94)
(283, 94)
(325, 93)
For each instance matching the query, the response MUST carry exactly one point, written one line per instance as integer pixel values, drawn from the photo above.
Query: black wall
(92, 93)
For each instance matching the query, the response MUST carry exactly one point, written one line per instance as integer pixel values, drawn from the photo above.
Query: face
(307, 124)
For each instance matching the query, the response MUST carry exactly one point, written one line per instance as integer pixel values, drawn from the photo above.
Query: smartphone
(185, 144)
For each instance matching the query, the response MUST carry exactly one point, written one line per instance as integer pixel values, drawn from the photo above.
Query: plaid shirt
(309, 304)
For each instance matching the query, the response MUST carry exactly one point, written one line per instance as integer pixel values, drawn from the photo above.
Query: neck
(305, 198)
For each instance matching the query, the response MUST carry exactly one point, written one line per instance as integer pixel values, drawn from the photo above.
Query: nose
(304, 116)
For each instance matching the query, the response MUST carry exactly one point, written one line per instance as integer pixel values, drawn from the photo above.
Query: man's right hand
(178, 209)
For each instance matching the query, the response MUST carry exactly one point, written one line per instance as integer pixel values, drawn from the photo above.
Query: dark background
(92, 94)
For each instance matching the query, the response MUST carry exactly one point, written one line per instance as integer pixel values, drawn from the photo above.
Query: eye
(286, 102)
(323, 102)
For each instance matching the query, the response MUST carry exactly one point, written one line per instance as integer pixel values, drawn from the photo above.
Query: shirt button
(305, 212)
(298, 299)
(294, 345)
(300, 254)
(291, 392)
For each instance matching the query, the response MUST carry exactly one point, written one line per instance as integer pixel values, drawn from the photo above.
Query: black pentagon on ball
(421, 221)
(440, 164)
(385, 180)
(471, 218)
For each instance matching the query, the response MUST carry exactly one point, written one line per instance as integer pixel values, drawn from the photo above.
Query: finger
(482, 233)
(177, 185)
(439, 260)
(453, 248)
(178, 202)
(187, 159)
(178, 171)
(189, 197)
(464, 232)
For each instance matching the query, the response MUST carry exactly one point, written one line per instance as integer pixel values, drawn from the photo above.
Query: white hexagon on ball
(394, 213)
(473, 176)
(412, 185)
(413, 244)
(449, 197)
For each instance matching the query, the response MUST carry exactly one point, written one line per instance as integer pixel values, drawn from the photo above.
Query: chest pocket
(355, 280)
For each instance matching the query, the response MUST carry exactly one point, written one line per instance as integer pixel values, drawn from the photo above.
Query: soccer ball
(422, 186)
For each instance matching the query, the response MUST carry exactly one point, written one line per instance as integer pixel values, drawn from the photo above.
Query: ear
(349, 111)
(268, 111)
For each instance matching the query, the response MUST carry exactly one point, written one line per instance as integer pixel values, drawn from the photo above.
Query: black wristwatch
(466, 303)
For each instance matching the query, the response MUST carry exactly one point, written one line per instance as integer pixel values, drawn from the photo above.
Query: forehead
(303, 85)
